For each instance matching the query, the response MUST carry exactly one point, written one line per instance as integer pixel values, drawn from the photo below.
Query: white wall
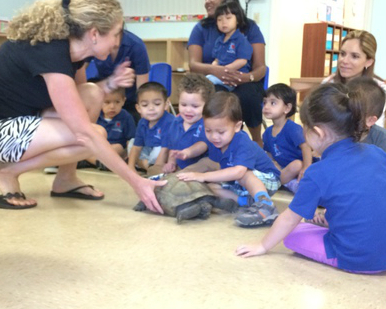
(377, 28)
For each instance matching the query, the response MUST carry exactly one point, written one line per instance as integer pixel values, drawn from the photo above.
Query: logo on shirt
(117, 126)
(158, 133)
(231, 48)
(276, 150)
(230, 160)
(198, 131)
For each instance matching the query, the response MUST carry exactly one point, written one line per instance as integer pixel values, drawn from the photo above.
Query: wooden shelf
(321, 45)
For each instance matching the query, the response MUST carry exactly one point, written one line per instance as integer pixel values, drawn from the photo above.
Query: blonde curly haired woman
(47, 110)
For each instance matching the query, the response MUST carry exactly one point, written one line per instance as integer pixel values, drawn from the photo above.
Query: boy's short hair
(121, 91)
(371, 95)
(196, 83)
(153, 86)
(284, 93)
(223, 104)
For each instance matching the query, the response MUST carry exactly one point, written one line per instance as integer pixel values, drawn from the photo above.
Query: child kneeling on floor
(349, 182)
(243, 168)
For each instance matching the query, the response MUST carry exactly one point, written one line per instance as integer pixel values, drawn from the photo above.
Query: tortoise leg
(226, 204)
(188, 212)
(140, 206)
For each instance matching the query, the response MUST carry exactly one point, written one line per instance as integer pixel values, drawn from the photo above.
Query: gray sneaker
(258, 214)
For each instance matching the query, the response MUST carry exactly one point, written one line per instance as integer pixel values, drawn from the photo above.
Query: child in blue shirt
(119, 125)
(237, 161)
(349, 182)
(232, 48)
(186, 141)
(152, 127)
(284, 140)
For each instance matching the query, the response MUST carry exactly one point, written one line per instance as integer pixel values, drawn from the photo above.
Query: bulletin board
(163, 11)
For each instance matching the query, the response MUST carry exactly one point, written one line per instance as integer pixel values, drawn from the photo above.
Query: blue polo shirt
(236, 47)
(133, 49)
(179, 139)
(284, 147)
(206, 36)
(245, 152)
(152, 137)
(350, 183)
(120, 129)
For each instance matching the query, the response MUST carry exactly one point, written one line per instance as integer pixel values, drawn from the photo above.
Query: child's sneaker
(259, 213)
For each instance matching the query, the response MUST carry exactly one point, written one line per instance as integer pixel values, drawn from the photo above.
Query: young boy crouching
(236, 167)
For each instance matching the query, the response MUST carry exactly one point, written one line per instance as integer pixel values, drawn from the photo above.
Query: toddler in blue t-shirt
(237, 167)
(152, 127)
(231, 49)
(119, 125)
(284, 140)
(185, 143)
(349, 182)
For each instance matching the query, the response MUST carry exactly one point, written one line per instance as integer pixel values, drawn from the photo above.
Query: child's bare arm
(162, 157)
(237, 64)
(134, 156)
(193, 151)
(215, 62)
(171, 163)
(282, 226)
(307, 158)
(226, 174)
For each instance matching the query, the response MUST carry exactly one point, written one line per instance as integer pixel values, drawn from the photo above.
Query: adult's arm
(141, 79)
(68, 104)
(235, 77)
(197, 66)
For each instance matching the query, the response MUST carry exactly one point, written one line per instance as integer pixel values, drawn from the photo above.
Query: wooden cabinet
(3, 38)
(321, 44)
(174, 52)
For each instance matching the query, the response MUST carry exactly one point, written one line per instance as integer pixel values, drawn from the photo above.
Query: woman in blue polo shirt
(349, 182)
(131, 49)
(249, 85)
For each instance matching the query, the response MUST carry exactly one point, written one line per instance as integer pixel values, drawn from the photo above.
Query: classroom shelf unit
(3, 38)
(321, 44)
(174, 52)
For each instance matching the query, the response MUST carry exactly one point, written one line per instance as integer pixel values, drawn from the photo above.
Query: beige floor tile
(74, 254)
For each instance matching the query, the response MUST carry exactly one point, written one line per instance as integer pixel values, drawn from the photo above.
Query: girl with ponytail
(348, 182)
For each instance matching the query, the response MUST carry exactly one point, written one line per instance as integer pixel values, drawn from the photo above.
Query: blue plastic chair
(161, 72)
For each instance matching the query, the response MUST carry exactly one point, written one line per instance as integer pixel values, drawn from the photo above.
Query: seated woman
(357, 58)
(249, 86)
(47, 112)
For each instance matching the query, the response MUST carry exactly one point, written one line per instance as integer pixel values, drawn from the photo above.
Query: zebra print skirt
(15, 136)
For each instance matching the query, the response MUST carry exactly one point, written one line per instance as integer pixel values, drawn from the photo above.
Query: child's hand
(250, 250)
(190, 176)
(180, 154)
(169, 167)
(301, 173)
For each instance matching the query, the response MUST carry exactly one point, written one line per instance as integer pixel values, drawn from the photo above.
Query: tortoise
(187, 200)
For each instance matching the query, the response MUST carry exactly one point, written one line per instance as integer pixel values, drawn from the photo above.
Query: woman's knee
(92, 96)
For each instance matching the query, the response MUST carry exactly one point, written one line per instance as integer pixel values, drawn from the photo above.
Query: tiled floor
(74, 254)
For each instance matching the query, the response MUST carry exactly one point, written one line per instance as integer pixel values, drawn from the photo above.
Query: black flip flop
(6, 205)
(73, 193)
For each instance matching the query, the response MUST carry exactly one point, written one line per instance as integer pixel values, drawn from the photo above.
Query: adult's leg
(251, 98)
(66, 179)
(59, 147)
